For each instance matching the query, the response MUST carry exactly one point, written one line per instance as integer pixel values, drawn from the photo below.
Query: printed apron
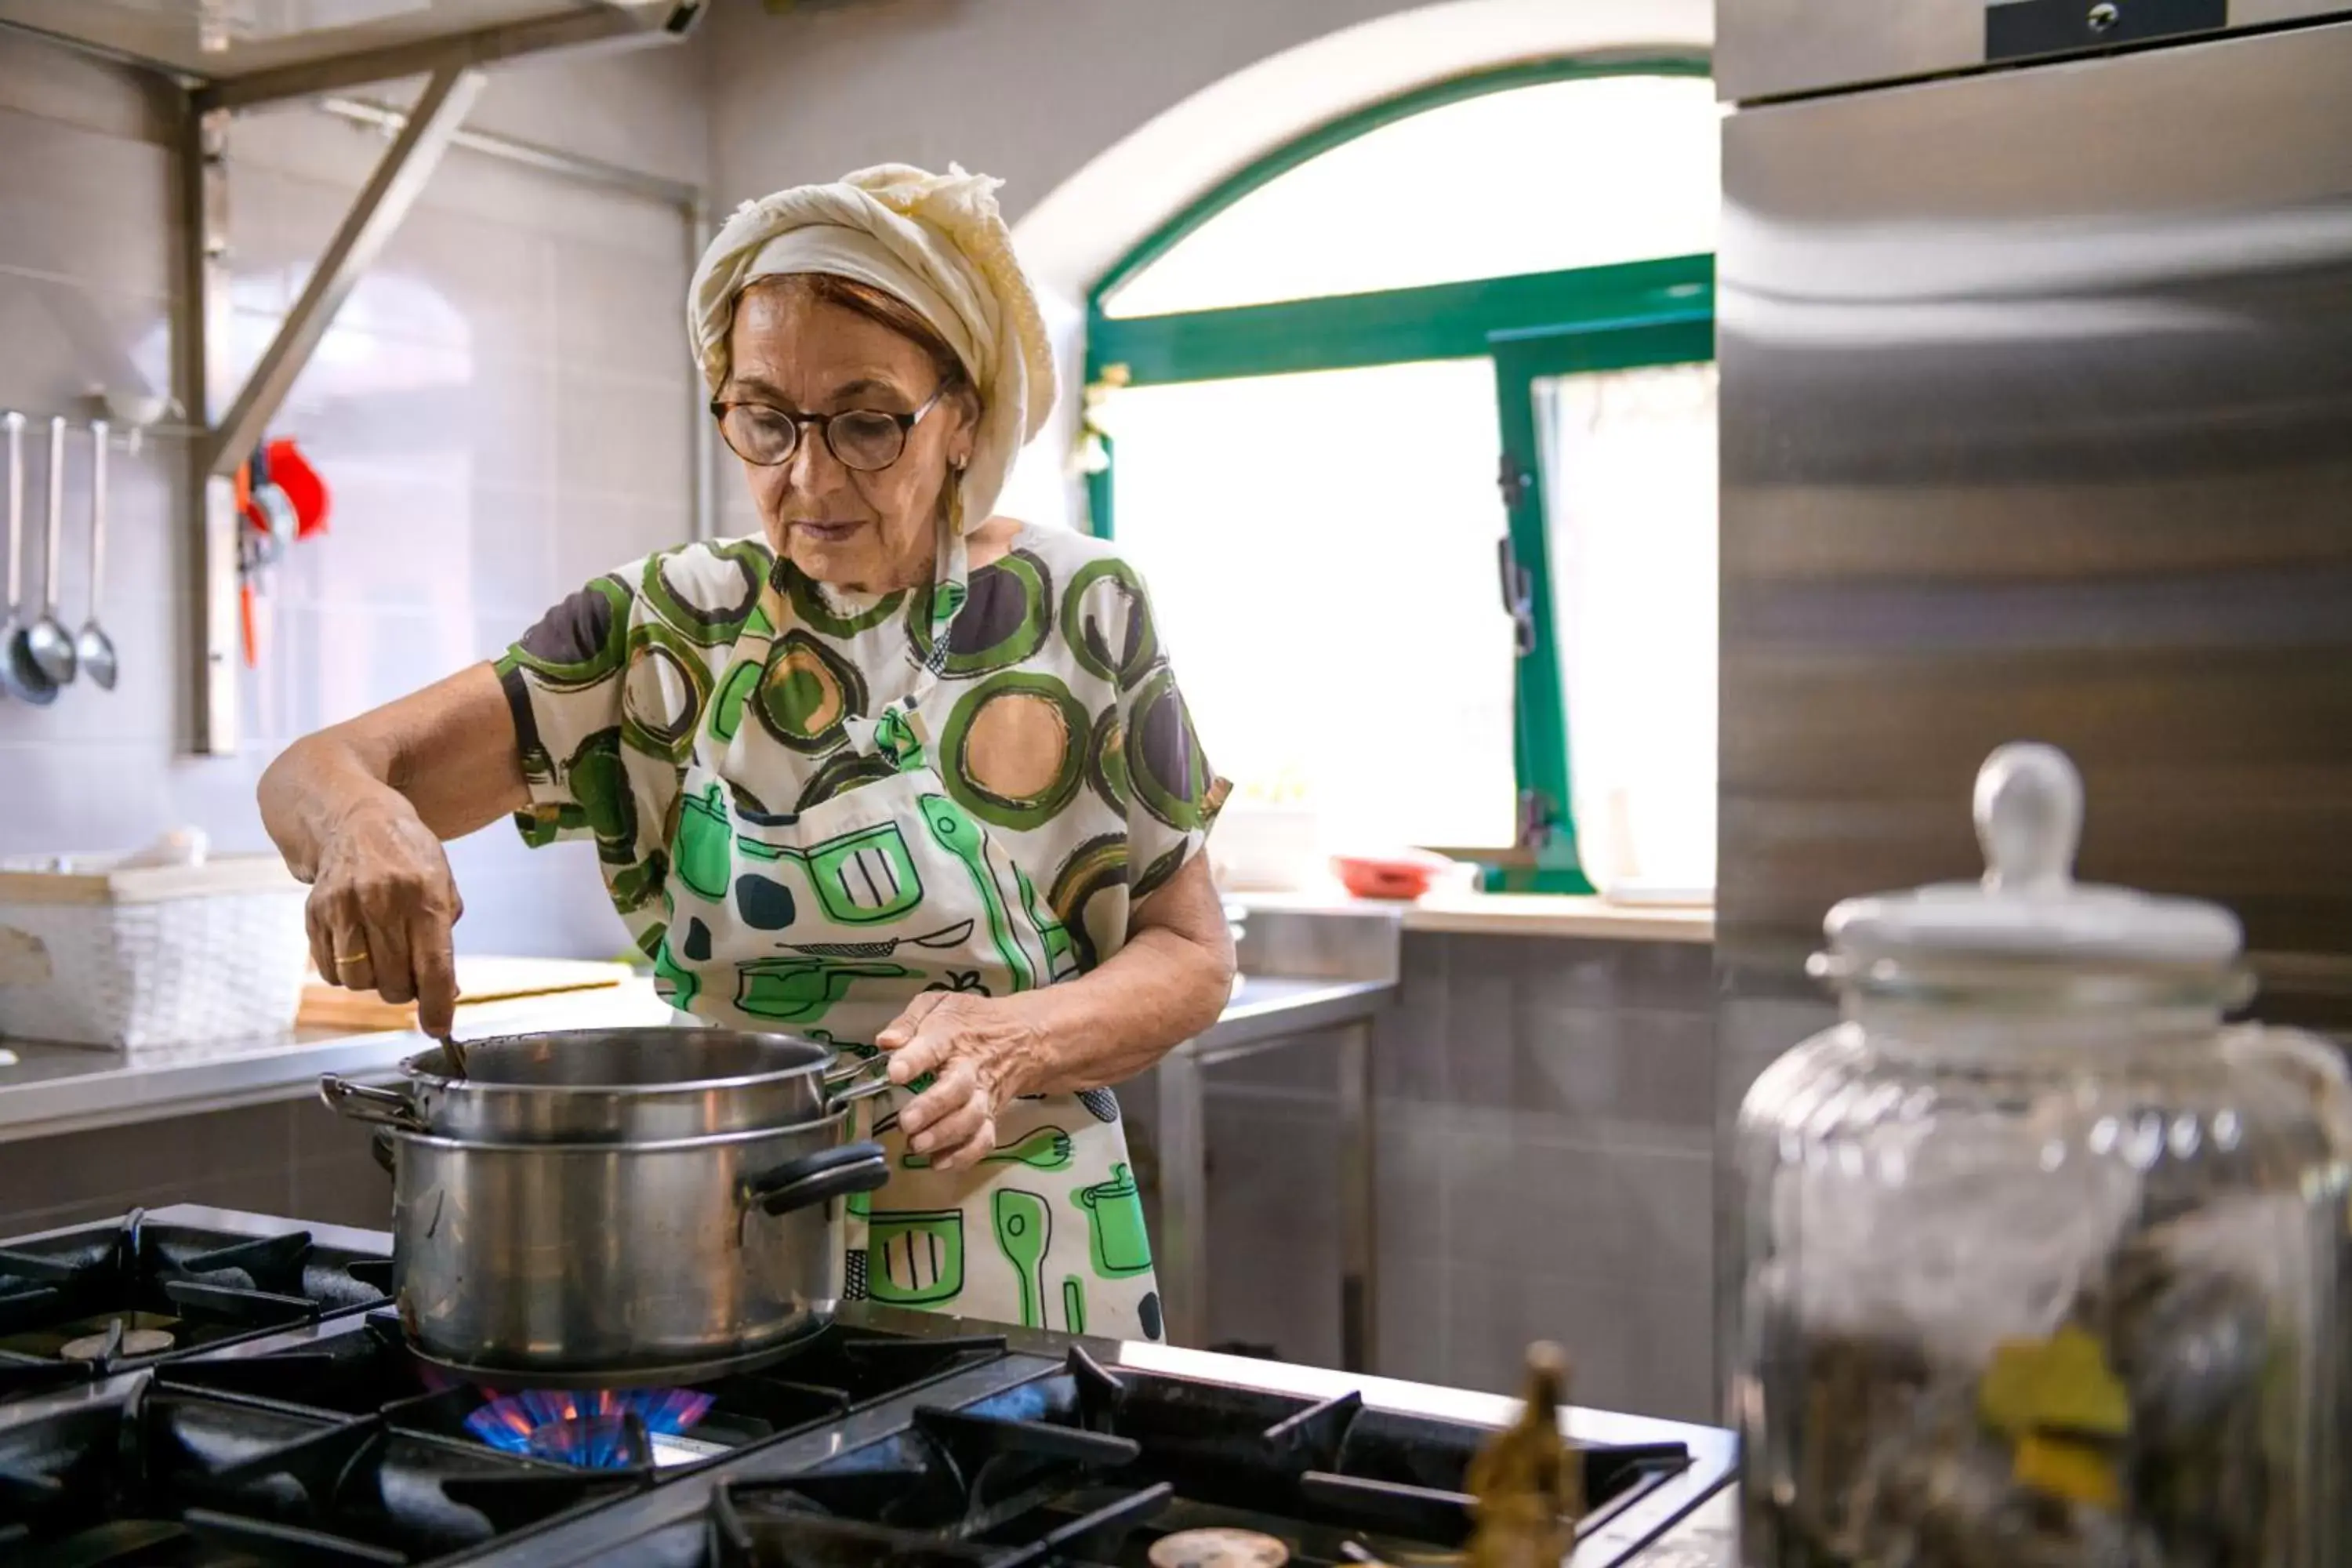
(824, 923)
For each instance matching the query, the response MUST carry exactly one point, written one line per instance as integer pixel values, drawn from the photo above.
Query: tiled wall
(501, 410)
(1546, 1113)
(295, 1157)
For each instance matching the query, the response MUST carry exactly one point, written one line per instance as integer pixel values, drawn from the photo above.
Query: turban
(935, 242)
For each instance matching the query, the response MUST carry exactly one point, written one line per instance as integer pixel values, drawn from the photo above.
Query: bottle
(1527, 1484)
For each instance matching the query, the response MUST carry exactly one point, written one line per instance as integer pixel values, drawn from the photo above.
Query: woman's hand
(984, 1052)
(359, 811)
(381, 910)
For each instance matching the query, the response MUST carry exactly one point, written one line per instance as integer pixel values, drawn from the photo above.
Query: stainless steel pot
(596, 1086)
(619, 1264)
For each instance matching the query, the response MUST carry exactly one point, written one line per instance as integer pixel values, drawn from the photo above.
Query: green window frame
(1530, 326)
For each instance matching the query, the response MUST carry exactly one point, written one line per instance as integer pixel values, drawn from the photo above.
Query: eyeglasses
(866, 439)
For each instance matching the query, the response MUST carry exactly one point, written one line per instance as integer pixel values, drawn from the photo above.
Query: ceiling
(224, 40)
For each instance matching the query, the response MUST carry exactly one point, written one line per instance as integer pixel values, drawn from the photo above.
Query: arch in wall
(1225, 138)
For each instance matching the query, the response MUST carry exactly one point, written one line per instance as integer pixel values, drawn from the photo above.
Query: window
(1628, 474)
(1299, 389)
(1338, 504)
(1577, 173)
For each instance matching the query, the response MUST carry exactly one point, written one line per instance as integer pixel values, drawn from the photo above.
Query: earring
(959, 464)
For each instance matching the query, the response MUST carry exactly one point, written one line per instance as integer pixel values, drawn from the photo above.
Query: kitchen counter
(51, 1089)
(1267, 1008)
(1462, 911)
(70, 1089)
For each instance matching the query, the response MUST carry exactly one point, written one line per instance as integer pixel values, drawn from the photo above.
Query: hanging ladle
(18, 672)
(52, 646)
(92, 647)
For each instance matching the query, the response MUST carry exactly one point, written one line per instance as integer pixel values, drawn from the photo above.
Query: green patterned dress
(810, 806)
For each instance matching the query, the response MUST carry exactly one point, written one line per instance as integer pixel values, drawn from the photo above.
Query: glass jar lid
(2029, 908)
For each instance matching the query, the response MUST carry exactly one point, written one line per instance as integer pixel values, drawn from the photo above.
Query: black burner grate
(160, 1476)
(103, 1299)
(369, 1371)
(1087, 1467)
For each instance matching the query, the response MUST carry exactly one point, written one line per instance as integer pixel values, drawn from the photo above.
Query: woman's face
(804, 354)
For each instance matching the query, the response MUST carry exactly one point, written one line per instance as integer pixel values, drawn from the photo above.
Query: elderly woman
(898, 774)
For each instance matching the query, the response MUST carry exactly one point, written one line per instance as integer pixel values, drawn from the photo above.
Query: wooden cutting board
(479, 980)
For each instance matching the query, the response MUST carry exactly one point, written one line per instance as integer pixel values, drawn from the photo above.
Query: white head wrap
(937, 242)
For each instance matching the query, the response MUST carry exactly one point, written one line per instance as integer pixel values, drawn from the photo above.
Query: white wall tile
(434, 409)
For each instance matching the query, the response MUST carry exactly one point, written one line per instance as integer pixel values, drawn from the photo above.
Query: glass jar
(2039, 1258)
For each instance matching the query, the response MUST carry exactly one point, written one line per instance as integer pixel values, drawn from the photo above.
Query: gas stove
(889, 1436)
(96, 1299)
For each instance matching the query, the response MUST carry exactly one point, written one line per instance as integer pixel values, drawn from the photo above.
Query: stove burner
(606, 1429)
(118, 1340)
(1219, 1548)
(93, 1298)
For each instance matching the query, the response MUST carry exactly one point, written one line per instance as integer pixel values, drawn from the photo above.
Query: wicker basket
(102, 953)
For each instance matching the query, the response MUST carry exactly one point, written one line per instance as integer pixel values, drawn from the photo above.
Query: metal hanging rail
(422, 135)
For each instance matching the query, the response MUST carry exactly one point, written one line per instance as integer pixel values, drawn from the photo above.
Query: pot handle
(815, 1178)
(380, 1145)
(365, 1102)
(841, 1085)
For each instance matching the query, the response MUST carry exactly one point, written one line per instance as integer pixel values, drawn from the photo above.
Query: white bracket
(399, 179)
(424, 133)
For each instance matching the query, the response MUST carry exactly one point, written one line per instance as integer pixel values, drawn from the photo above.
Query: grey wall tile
(1412, 1144)
(1484, 980)
(1620, 1065)
(1304, 1069)
(147, 1160)
(232, 1159)
(268, 1190)
(1512, 1201)
(1519, 1191)
(1409, 1329)
(344, 1190)
(14, 1222)
(316, 1134)
(1274, 1216)
(1408, 1038)
(1629, 1348)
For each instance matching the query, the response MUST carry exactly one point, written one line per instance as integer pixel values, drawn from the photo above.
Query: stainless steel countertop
(64, 1088)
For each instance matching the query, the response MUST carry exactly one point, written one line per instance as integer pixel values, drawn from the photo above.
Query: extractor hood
(250, 51)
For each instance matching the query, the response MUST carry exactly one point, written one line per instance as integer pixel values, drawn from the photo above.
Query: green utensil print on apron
(702, 832)
(860, 878)
(1115, 1224)
(915, 1256)
(1047, 1149)
(1023, 1227)
(961, 836)
(946, 937)
(802, 990)
(683, 982)
(1061, 952)
(1074, 1304)
(865, 876)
